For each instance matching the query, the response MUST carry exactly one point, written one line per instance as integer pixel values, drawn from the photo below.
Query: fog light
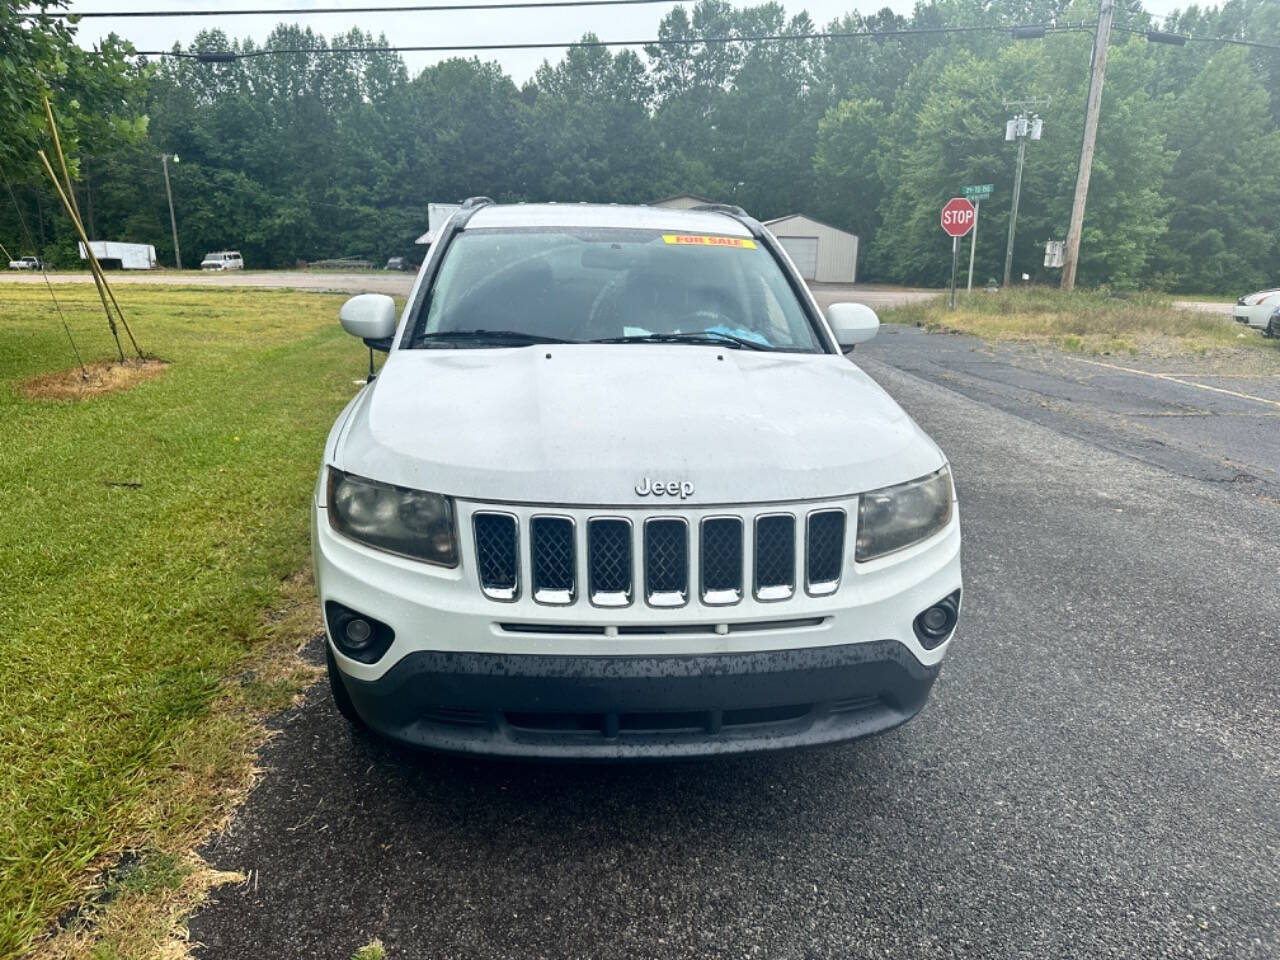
(936, 623)
(358, 633)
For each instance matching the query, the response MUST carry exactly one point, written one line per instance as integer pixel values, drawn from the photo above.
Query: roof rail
(732, 209)
(472, 203)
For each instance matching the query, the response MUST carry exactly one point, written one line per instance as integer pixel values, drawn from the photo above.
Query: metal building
(821, 252)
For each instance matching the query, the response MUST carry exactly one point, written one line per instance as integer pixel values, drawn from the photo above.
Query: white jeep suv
(618, 492)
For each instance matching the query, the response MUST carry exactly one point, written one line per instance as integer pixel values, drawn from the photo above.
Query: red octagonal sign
(958, 216)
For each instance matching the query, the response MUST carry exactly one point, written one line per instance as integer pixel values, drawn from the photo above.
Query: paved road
(1097, 774)
(1212, 422)
(399, 284)
(367, 281)
(1205, 306)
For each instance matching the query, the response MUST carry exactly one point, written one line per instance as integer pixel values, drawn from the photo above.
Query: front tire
(341, 699)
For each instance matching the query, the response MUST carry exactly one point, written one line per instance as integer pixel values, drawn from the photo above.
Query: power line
(312, 11)
(222, 56)
(227, 56)
(1178, 39)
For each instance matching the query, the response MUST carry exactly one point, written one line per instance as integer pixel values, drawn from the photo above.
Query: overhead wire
(554, 4)
(229, 55)
(226, 56)
(313, 11)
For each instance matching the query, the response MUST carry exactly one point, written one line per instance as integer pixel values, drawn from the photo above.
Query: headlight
(412, 523)
(897, 517)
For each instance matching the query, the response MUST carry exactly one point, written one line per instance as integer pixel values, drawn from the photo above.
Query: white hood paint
(586, 425)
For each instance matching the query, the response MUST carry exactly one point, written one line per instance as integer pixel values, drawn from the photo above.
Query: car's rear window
(597, 284)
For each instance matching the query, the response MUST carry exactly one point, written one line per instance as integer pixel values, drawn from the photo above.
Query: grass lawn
(1085, 322)
(153, 552)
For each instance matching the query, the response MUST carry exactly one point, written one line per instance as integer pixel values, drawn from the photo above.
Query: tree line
(301, 156)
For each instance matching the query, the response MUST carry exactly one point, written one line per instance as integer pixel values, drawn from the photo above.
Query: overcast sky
(407, 29)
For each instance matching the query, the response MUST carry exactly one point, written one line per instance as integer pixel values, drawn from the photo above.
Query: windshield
(611, 284)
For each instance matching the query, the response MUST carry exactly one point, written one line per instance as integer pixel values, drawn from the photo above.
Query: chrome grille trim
(776, 553)
(553, 558)
(497, 563)
(610, 561)
(775, 557)
(824, 543)
(666, 561)
(720, 560)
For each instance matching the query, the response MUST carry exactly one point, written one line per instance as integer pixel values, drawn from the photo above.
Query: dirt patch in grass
(92, 380)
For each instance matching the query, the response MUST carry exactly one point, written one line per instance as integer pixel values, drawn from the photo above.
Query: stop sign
(958, 216)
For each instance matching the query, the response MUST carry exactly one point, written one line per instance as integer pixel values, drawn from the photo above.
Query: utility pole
(973, 240)
(1025, 126)
(173, 221)
(1105, 12)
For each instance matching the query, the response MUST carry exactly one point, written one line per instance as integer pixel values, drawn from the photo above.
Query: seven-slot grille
(653, 559)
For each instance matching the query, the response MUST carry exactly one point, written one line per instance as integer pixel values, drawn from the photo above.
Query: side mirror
(371, 317)
(852, 323)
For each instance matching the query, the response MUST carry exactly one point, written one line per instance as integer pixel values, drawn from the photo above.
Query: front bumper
(527, 705)
(469, 674)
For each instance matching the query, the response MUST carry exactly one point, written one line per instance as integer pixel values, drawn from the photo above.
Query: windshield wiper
(514, 338)
(716, 338)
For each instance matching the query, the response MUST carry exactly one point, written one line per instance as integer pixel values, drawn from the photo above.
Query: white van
(223, 260)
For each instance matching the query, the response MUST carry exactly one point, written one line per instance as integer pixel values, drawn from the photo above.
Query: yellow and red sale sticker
(691, 240)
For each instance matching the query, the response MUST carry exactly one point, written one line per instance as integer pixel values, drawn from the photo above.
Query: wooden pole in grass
(93, 262)
(74, 212)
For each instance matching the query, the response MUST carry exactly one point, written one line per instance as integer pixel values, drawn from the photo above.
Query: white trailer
(121, 256)
(437, 215)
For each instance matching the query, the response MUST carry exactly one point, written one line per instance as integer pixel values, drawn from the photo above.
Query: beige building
(821, 252)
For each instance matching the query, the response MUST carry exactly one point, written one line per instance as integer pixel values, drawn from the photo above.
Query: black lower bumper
(523, 705)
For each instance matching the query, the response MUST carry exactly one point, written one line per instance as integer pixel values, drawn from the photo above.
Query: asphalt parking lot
(1097, 774)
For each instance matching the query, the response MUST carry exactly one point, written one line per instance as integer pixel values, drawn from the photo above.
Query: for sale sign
(958, 216)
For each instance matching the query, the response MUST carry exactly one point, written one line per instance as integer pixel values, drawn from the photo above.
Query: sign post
(977, 193)
(958, 218)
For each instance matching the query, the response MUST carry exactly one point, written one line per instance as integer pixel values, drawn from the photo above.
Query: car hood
(584, 424)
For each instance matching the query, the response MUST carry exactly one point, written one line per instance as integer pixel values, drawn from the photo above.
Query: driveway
(1096, 774)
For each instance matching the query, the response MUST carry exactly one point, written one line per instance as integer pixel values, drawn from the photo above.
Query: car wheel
(341, 699)
(1272, 328)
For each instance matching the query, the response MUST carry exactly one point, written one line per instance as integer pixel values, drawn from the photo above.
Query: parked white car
(619, 492)
(1272, 329)
(222, 260)
(25, 263)
(1256, 309)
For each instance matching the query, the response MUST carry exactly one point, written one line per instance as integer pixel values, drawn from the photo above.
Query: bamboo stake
(57, 145)
(99, 277)
(93, 261)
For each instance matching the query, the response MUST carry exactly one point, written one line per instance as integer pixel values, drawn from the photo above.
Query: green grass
(127, 609)
(1083, 322)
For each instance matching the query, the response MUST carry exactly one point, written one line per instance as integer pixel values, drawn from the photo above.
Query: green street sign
(979, 191)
